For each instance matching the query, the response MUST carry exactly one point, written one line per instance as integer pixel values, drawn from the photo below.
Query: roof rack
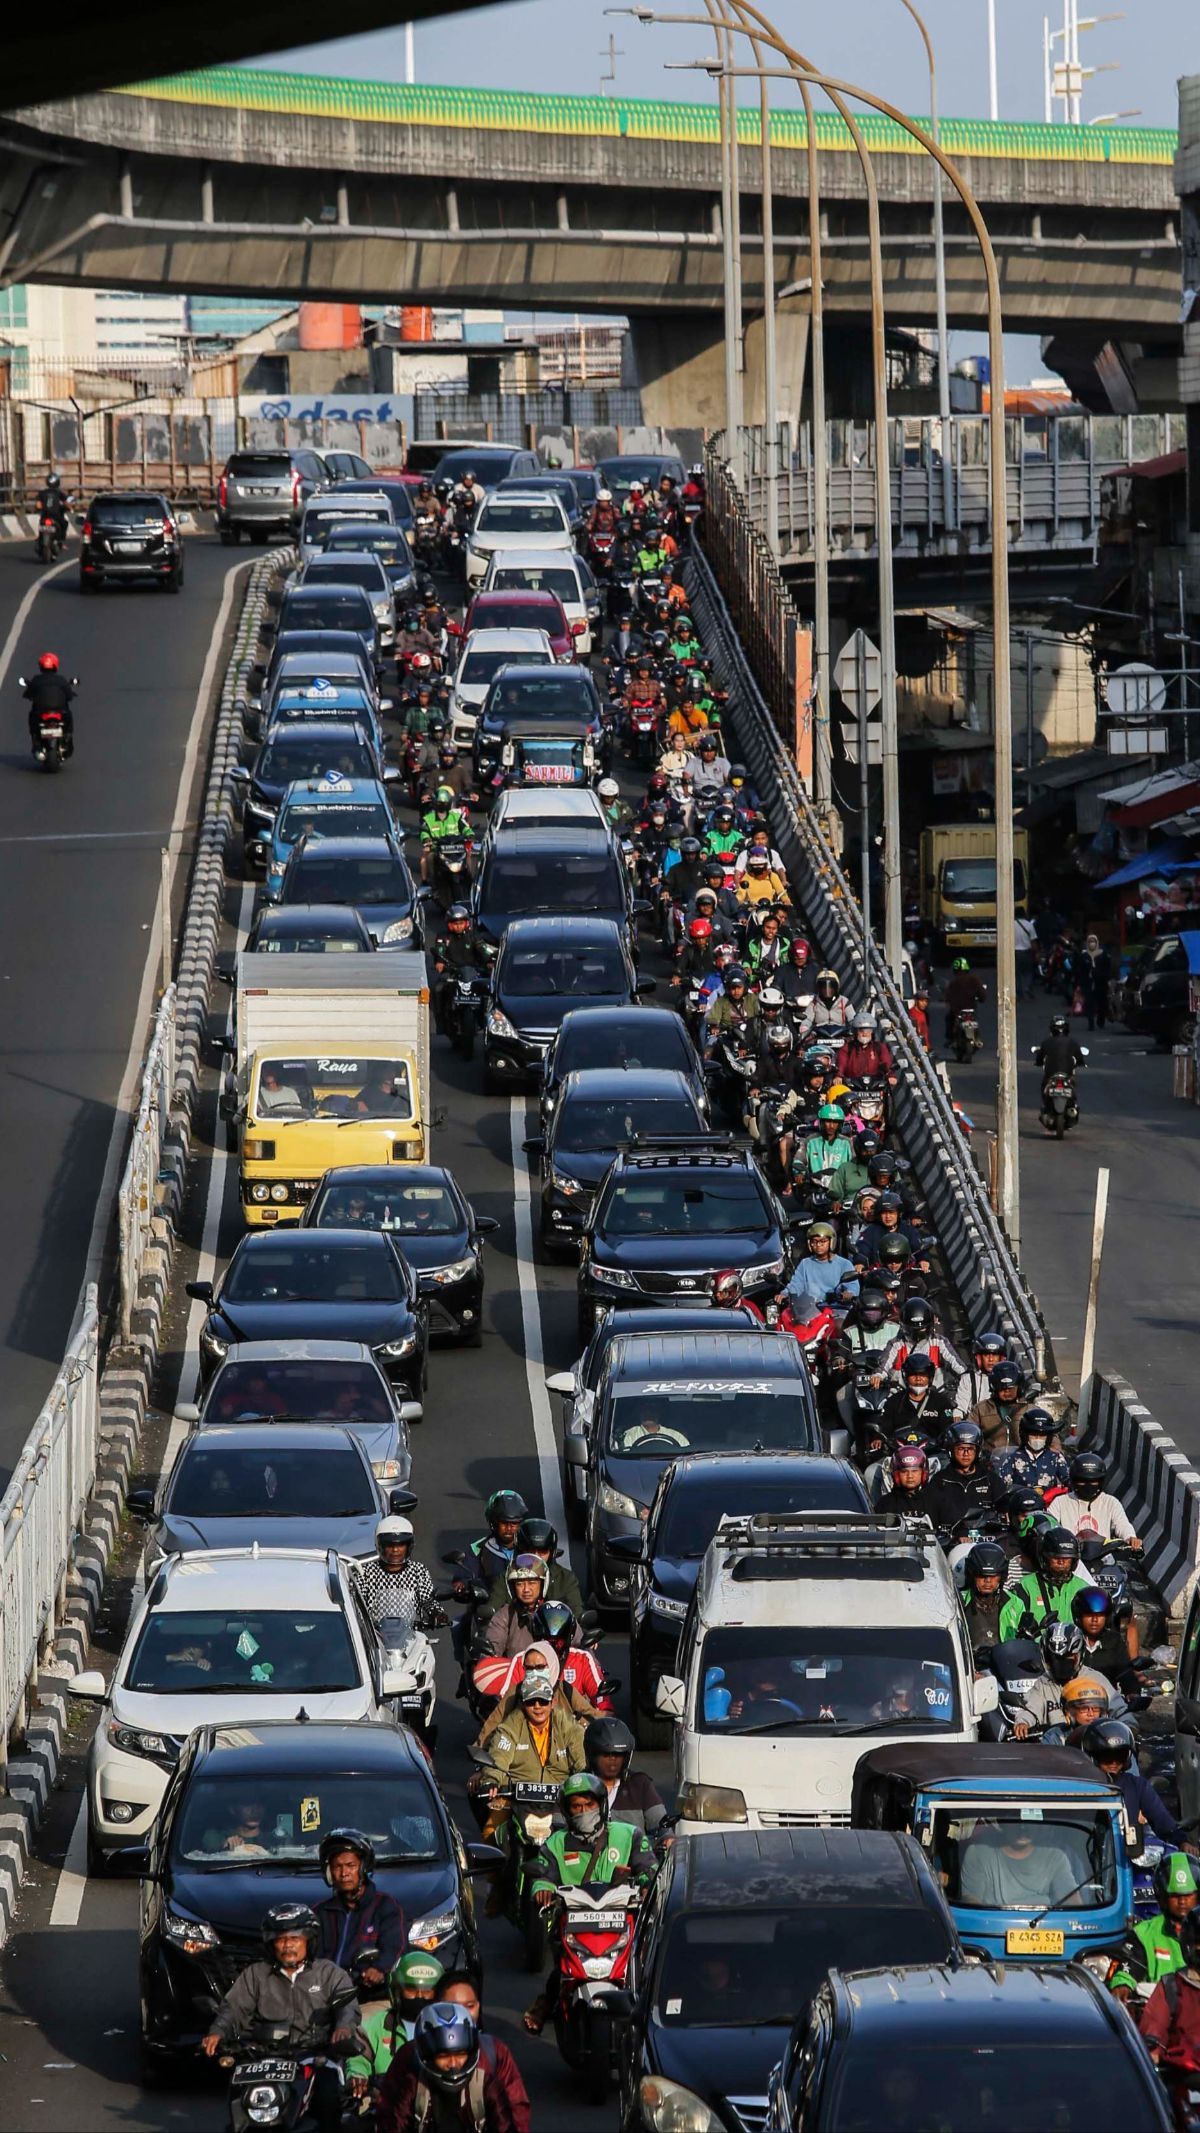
(781, 1544)
(669, 1144)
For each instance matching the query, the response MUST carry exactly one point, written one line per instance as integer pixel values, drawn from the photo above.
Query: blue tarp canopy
(1191, 943)
(1173, 856)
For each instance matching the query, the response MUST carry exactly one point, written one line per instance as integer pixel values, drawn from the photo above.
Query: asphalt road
(1148, 1325)
(79, 884)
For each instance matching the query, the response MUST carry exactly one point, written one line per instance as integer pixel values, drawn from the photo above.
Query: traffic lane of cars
(79, 876)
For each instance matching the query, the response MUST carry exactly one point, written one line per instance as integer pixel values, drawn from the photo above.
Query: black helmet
(872, 1307)
(1057, 1541)
(992, 1344)
(890, 1203)
(1062, 1650)
(346, 1840)
(607, 1736)
(537, 1537)
(917, 1365)
(917, 1317)
(963, 1430)
(735, 975)
(290, 1918)
(895, 1252)
(1088, 1475)
(987, 1559)
(690, 848)
(504, 1507)
(458, 915)
(1059, 1025)
(1021, 1503)
(1110, 1740)
(1036, 1422)
(1189, 1940)
(558, 1623)
(1004, 1377)
(442, 2029)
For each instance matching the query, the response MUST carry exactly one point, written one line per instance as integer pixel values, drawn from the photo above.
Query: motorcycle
(51, 538)
(594, 1930)
(730, 1074)
(1060, 1101)
(269, 2091)
(464, 1011)
(451, 870)
(426, 541)
(860, 1404)
(965, 1037)
(600, 548)
(767, 1129)
(407, 1653)
(521, 1835)
(52, 746)
(1017, 1664)
(869, 1102)
(641, 721)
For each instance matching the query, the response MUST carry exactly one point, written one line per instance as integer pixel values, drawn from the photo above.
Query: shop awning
(1173, 856)
(1156, 799)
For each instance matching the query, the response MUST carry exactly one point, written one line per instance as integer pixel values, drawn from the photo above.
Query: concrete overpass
(254, 181)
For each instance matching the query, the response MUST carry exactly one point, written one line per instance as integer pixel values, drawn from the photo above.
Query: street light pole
(993, 84)
(726, 28)
(822, 744)
(939, 258)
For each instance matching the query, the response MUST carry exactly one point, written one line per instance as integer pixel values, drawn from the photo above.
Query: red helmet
(48, 662)
(700, 929)
(727, 1288)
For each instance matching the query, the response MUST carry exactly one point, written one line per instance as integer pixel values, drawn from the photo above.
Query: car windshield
(219, 1481)
(576, 973)
(503, 516)
(977, 877)
(564, 690)
(655, 1204)
(1009, 1858)
(225, 1821)
(550, 882)
(407, 1210)
(644, 1041)
(586, 1124)
(737, 1969)
(479, 667)
(692, 1514)
(215, 1651)
(341, 570)
(309, 1391)
(325, 608)
(659, 1421)
(332, 818)
(347, 878)
(126, 511)
(827, 1680)
(292, 756)
(345, 1086)
(538, 578)
(975, 2084)
(285, 1272)
(487, 467)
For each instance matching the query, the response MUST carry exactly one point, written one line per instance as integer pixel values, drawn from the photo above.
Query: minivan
(540, 873)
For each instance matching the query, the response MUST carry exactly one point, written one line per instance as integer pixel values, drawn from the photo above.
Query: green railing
(624, 118)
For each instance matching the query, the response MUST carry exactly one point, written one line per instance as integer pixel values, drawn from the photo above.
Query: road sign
(859, 655)
(874, 744)
(1137, 740)
(1135, 691)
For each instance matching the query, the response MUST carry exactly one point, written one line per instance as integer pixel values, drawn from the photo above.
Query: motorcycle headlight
(613, 1277)
(190, 1934)
(263, 2105)
(498, 1024)
(569, 1187)
(615, 1500)
(399, 930)
(429, 1932)
(667, 2107)
(396, 1351)
(458, 1271)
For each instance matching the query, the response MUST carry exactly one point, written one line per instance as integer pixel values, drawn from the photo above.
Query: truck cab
(958, 882)
(1028, 1842)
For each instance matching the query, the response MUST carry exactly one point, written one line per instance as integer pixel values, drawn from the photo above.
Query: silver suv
(264, 492)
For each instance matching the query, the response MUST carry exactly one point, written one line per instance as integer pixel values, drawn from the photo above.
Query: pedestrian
(1025, 935)
(1092, 973)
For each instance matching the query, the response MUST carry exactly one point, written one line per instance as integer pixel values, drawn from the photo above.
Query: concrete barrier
(1155, 1482)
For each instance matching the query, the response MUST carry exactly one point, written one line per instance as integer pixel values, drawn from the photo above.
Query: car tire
(97, 1864)
(473, 1337)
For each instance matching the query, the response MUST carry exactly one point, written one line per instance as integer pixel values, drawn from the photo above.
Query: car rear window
(572, 973)
(127, 511)
(343, 570)
(345, 879)
(549, 883)
(486, 466)
(726, 1967)
(501, 516)
(520, 614)
(259, 466)
(537, 577)
(598, 1044)
(479, 667)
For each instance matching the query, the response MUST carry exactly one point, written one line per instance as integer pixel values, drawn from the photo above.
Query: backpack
(484, 2072)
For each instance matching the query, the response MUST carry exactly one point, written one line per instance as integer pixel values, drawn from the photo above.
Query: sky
(562, 45)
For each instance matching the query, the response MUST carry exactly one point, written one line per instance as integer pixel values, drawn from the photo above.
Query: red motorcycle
(642, 716)
(594, 1930)
(600, 548)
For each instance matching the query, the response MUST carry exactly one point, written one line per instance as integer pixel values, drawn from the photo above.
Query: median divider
(1154, 1480)
(61, 1514)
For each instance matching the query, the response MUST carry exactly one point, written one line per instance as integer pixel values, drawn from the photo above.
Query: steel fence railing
(137, 1195)
(39, 1516)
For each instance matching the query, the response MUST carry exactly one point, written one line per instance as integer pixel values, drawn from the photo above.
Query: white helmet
(638, 487)
(609, 789)
(604, 496)
(393, 1529)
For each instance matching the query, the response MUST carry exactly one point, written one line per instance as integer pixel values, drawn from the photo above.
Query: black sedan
(597, 1112)
(545, 967)
(619, 1037)
(241, 1829)
(437, 1230)
(344, 1284)
(308, 929)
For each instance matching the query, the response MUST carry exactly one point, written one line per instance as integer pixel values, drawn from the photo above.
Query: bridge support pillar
(680, 368)
(791, 364)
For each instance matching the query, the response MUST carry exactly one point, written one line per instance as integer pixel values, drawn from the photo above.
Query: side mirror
(484, 1858)
(387, 703)
(140, 1503)
(563, 1381)
(90, 1687)
(985, 1694)
(240, 774)
(534, 1145)
(401, 1501)
(487, 1225)
(411, 1411)
(391, 776)
(669, 1693)
(394, 1682)
(576, 1451)
(627, 1547)
(187, 1411)
(202, 1291)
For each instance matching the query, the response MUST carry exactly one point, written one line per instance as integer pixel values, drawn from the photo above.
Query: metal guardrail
(990, 1284)
(137, 1193)
(39, 1516)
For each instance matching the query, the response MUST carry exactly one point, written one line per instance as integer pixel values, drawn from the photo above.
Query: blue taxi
(329, 806)
(325, 696)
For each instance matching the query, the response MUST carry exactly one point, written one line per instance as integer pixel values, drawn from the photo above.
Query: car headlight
(396, 1351)
(768, 1270)
(134, 1741)
(667, 2107)
(457, 1271)
(498, 1024)
(387, 1470)
(430, 1932)
(671, 1610)
(190, 1934)
(615, 1500)
(383, 610)
(711, 1803)
(612, 1277)
(569, 1187)
(399, 930)
(279, 1193)
(213, 1344)
(257, 812)
(260, 1192)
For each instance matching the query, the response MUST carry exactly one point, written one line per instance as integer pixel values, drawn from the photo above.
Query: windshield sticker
(310, 1814)
(675, 1388)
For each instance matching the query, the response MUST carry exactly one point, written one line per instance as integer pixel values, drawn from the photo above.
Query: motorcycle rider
(539, 1742)
(890, 1221)
(1086, 1505)
(863, 1055)
(1065, 1662)
(919, 1328)
(999, 1415)
(964, 992)
(1035, 1462)
(537, 1536)
(983, 1592)
(49, 690)
(735, 1005)
(445, 2081)
(454, 953)
(831, 1010)
(442, 820)
(916, 1400)
(516, 1625)
(1105, 1644)
(968, 1482)
(361, 1928)
(976, 1384)
(826, 1152)
(822, 1271)
(1112, 1746)
(1153, 1949)
(308, 2004)
(633, 1797)
(494, 1550)
(910, 1489)
(1047, 1590)
(393, 1582)
(413, 1983)
(52, 502)
(592, 1848)
(1058, 1053)
(602, 517)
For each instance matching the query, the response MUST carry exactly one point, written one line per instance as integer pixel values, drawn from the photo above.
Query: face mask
(1036, 1444)
(586, 1823)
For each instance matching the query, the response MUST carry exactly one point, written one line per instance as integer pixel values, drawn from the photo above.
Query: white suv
(810, 1634)
(533, 522)
(567, 576)
(223, 1637)
(484, 653)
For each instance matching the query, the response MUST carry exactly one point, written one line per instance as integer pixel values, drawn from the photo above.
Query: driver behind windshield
(646, 1432)
(1004, 1868)
(276, 1094)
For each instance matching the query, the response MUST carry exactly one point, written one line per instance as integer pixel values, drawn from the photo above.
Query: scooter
(966, 1038)
(269, 2090)
(52, 746)
(521, 1835)
(451, 870)
(594, 1930)
(1060, 1101)
(407, 1656)
(51, 538)
(465, 1011)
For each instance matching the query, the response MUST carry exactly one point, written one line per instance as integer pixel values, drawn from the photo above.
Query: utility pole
(993, 84)
(410, 57)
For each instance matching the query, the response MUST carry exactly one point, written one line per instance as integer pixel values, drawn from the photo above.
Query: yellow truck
(327, 1064)
(958, 882)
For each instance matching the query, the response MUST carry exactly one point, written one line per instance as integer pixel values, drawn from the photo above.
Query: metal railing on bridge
(1056, 464)
(137, 1199)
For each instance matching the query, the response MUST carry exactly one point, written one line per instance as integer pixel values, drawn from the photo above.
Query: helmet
(872, 1306)
(917, 1317)
(1175, 1876)
(393, 1528)
(864, 1022)
(48, 662)
(1088, 1475)
(832, 1111)
(1004, 1377)
(604, 496)
(558, 1623)
(1057, 1541)
(1060, 1025)
(822, 1229)
(1020, 1504)
(607, 1736)
(636, 487)
(881, 1166)
(447, 753)
(443, 797)
(442, 2029)
(735, 975)
(504, 1507)
(609, 789)
(586, 1787)
(1110, 1740)
(828, 985)
(700, 929)
(347, 1840)
(416, 1970)
(917, 1365)
(987, 1559)
(1081, 1689)
(458, 915)
(965, 1432)
(960, 963)
(771, 1000)
(1092, 1602)
(910, 1459)
(538, 1536)
(1062, 1649)
(799, 949)
(690, 848)
(992, 1344)
(757, 858)
(290, 1918)
(895, 1252)
(526, 1566)
(421, 663)
(1035, 1422)
(779, 1038)
(53, 480)
(727, 1289)
(890, 1203)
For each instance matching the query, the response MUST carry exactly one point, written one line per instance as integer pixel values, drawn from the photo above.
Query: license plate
(268, 2070)
(250, 491)
(549, 773)
(1033, 1940)
(129, 547)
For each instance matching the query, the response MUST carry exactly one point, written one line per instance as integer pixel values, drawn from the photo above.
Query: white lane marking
(545, 1441)
(72, 1880)
(150, 975)
(84, 837)
(19, 619)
